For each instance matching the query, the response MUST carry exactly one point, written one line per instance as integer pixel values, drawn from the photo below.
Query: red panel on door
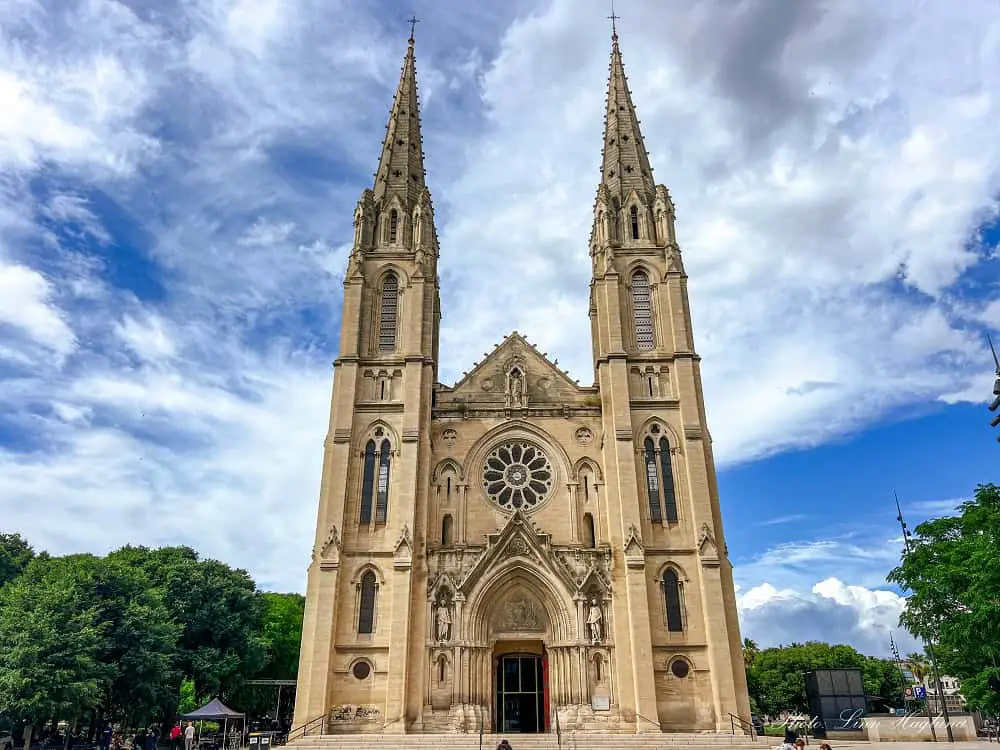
(545, 690)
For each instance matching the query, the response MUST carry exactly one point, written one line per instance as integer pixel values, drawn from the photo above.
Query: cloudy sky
(177, 181)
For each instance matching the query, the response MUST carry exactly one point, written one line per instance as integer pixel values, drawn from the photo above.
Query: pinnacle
(625, 164)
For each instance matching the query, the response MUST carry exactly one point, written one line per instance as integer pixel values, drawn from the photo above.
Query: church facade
(516, 550)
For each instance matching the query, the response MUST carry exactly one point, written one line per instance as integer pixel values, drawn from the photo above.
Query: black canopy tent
(216, 710)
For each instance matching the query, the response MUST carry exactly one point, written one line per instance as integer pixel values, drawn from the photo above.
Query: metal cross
(613, 17)
(413, 25)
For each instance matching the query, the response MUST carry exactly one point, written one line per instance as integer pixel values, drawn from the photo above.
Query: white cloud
(26, 304)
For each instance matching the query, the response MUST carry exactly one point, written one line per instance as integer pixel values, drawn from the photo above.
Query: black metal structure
(837, 699)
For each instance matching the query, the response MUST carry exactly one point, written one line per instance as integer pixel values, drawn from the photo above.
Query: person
(107, 733)
(189, 736)
(800, 744)
(175, 737)
(152, 736)
(789, 742)
(825, 746)
(504, 745)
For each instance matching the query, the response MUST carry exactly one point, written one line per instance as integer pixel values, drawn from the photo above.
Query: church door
(520, 694)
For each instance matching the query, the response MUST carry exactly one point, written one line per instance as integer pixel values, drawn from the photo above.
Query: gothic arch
(383, 271)
(445, 465)
(676, 567)
(364, 568)
(388, 433)
(667, 431)
(587, 463)
(641, 264)
(519, 574)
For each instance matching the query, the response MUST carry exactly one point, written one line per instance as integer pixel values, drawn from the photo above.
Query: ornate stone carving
(519, 615)
(584, 436)
(449, 437)
(595, 622)
(517, 546)
(442, 619)
(486, 384)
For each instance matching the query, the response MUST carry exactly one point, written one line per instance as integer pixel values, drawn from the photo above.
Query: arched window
(367, 483)
(388, 312)
(652, 480)
(642, 311)
(672, 600)
(598, 663)
(589, 534)
(446, 530)
(382, 499)
(377, 228)
(669, 496)
(633, 215)
(366, 610)
(393, 225)
(442, 666)
(656, 463)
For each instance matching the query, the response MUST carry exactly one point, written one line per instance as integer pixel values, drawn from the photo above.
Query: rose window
(517, 475)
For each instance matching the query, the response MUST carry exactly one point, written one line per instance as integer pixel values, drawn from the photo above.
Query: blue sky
(177, 183)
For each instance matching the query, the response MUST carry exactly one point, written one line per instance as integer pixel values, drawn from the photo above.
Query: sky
(177, 185)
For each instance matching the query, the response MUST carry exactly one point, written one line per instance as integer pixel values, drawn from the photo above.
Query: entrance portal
(520, 694)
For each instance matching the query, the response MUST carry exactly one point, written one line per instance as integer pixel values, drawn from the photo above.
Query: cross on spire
(413, 26)
(613, 17)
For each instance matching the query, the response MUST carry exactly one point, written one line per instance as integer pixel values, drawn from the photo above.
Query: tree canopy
(131, 635)
(953, 573)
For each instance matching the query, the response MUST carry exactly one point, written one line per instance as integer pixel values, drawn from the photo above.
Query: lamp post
(996, 387)
(927, 644)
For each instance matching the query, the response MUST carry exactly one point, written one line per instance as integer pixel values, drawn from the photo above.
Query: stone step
(569, 741)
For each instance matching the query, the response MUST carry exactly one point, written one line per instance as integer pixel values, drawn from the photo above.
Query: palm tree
(750, 651)
(919, 666)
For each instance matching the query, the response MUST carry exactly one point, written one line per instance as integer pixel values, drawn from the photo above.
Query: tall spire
(626, 163)
(401, 168)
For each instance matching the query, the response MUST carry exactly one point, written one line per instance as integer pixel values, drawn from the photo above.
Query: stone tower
(516, 550)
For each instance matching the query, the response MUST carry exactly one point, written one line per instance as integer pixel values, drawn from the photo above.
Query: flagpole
(927, 643)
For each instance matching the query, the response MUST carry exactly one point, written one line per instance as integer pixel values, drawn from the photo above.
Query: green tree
(220, 613)
(282, 634)
(15, 554)
(52, 640)
(954, 578)
(776, 677)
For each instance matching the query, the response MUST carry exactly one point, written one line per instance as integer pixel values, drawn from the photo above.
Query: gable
(544, 382)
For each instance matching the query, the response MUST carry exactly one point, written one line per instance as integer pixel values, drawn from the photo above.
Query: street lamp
(927, 644)
(996, 387)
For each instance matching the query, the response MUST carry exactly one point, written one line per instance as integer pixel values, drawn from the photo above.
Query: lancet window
(375, 482)
(633, 215)
(642, 311)
(393, 225)
(388, 313)
(367, 590)
(673, 600)
(657, 466)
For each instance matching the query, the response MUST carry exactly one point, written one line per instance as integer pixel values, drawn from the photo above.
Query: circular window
(517, 475)
(361, 670)
(680, 668)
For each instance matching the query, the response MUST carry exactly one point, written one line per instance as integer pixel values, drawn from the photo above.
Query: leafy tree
(52, 639)
(750, 651)
(282, 634)
(776, 677)
(15, 554)
(220, 613)
(954, 578)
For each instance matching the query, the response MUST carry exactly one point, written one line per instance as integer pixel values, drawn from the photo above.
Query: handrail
(303, 729)
(746, 726)
(656, 723)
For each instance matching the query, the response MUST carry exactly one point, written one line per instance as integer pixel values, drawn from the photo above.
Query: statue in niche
(609, 259)
(443, 621)
(515, 394)
(595, 620)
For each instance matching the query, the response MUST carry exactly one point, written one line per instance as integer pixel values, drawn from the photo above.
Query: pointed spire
(626, 163)
(401, 168)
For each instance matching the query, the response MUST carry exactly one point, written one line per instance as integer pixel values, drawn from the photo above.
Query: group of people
(148, 739)
(794, 742)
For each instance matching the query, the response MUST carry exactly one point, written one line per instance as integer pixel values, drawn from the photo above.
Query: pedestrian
(189, 736)
(151, 738)
(825, 746)
(504, 745)
(107, 733)
(175, 737)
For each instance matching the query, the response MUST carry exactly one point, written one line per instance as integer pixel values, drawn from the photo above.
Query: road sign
(908, 692)
(919, 692)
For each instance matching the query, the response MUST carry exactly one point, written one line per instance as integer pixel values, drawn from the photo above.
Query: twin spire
(401, 168)
(625, 165)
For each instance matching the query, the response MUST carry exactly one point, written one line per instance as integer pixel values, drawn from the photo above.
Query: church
(516, 552)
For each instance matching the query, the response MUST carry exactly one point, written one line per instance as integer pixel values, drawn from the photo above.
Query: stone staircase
(548, 741)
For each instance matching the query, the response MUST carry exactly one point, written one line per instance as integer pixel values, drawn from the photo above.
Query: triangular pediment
(518, 539)
(489, 380)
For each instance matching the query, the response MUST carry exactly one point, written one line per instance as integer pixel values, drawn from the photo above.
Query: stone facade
(517, 550)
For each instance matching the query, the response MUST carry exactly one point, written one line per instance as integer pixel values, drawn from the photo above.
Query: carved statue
(609, 259)
(443, 622)
(515, 397)
(594, 621)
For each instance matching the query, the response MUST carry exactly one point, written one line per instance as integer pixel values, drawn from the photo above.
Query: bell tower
(358, 633)
(662, 497)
